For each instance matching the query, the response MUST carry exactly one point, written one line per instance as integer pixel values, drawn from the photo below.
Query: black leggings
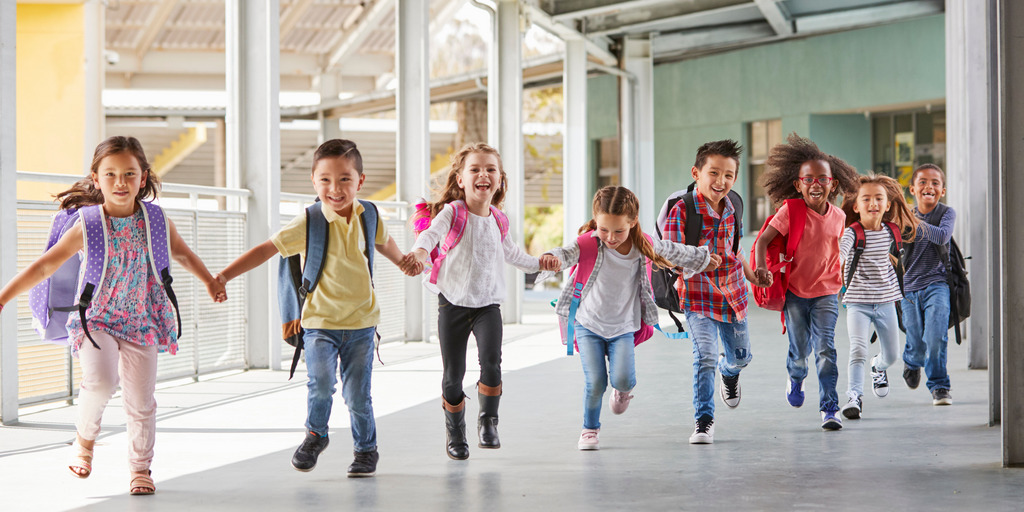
(454, 323)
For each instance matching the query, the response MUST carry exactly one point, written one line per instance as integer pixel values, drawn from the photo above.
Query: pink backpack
(580, 274)
(421, 221)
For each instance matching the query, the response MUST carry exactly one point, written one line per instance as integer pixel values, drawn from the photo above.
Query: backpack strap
(897, 250)
(580, 274)
(158, 239)
(94, 231)
(454, 236)
(502, 220)
(649, 268)
(317, 231)
(859, 241)
(737, 207)
(694, 220)
(797, 222)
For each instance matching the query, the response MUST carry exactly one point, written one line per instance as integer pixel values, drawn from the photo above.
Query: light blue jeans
(621, 369)
(735, 356)
(859, 318)
(353, 349)
(926, 317)
(811, 324)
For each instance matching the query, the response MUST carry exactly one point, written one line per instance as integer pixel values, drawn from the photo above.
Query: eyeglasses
(821, 180)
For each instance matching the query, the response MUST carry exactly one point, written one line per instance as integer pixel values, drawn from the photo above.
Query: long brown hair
(84, 191)
(451, 191)
(899, 211)
(614, 200)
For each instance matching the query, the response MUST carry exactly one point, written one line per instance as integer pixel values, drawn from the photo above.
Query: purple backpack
(53, 299)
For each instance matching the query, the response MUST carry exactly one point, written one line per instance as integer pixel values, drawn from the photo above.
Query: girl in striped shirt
(873, 287)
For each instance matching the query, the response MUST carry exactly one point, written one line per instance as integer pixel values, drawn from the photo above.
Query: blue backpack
(297, 279)
(57, 296)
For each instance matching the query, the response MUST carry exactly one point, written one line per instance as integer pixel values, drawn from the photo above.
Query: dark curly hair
(784, 163)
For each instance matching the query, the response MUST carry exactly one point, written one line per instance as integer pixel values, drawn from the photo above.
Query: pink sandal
(142, 483)
(81, 461)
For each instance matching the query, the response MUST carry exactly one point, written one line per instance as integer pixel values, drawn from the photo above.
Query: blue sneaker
(794, 392)
(829, 421)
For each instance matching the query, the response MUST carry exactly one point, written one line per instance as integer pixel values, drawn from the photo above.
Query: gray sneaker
(941, 396)
(365, 464)
(853, 408)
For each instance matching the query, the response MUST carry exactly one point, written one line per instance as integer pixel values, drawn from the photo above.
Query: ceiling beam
(695, 40)
(154, 25)
(773, 12)
(368, 21)
(540, 18)
(186, 62)
(291, 18)
(854, 18)
(610, 8)
(732, 14)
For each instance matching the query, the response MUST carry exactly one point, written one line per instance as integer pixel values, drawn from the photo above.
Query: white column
(637, 118)
(508, 113)
(330, 85)
(95, 77)
(413, 159)
(1009, 34)
(575, 172)
(254, 159)
(8, 217)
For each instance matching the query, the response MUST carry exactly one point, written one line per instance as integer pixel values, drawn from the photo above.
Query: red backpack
(778, 257)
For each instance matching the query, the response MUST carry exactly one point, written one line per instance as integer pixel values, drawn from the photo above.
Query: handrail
(175, 188)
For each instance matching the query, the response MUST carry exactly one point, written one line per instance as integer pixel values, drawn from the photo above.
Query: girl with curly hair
(805, 181)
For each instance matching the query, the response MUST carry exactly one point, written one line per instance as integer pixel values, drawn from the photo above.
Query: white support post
(8, 216)
(412, 100)
(1009, 36)
(330, 85)
(95, 78)
(575, 172)
(637, 118)
(508, 113)
(254, 158)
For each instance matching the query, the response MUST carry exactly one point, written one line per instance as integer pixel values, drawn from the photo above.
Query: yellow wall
(50, 93)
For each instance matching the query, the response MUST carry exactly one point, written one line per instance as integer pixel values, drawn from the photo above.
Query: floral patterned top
(131, 304)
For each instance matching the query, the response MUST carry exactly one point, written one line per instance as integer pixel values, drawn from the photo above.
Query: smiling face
(479, 178)
(119, 177)
(716, 178)
(815, 183)
(613, 230)
(336, 181)
(872, 203)
(927, 188)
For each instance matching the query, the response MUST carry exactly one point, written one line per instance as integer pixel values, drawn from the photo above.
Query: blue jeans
(926, 317)
(325, 348)
(621, 368)
(859, 318)
(811, 324)
(736, 356)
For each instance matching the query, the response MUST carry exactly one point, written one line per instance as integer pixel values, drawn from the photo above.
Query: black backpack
(663, 280)
(956, 278)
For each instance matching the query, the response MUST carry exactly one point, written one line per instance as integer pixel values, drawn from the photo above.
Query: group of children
(462, 244)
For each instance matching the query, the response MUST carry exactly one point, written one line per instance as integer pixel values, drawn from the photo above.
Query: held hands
(716, 260)
(548, 261)
(215, 288)
(412, 263)
(762, 277)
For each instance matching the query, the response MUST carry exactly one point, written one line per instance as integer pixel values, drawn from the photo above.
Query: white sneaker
(853, 408)
(879, 381)
(730, 388)
(704, 433)
(588, 439)
(619, 401)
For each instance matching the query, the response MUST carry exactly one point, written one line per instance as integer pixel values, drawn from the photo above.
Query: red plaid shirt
(721, 294)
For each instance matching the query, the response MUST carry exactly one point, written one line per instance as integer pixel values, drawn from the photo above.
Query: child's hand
(216, 288)
(762, 277)
(550, 262)
(716, 260)
(411, 265)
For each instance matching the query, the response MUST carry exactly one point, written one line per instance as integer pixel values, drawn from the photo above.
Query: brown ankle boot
(487, 423)
(455, 425)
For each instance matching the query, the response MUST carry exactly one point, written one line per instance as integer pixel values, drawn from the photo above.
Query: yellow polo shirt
(344, 298)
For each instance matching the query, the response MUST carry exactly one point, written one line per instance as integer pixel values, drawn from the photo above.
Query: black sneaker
(307, 453)
(941, 396)
(879, 382)
(365, 464)
(912, 377)
(853, 408)
(731, 390)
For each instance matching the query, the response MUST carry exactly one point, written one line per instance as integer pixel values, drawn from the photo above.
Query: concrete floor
(225, 443)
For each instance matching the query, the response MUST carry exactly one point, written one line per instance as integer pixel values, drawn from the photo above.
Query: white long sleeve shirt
(472, 275)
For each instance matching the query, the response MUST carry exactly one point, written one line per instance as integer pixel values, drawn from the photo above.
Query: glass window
(763, 135)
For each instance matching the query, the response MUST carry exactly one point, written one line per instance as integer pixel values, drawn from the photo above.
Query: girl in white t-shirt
(872, 284)
(609, 314)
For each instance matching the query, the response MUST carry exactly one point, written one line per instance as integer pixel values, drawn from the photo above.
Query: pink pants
(135, 367)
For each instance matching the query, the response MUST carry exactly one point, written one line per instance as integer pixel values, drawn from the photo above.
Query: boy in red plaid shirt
(715, 302)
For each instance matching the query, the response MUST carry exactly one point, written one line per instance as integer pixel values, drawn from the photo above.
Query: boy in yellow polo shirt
(340, 316)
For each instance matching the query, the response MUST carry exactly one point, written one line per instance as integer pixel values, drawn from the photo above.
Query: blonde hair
(899, 211)
(451, 191)
(614, 200)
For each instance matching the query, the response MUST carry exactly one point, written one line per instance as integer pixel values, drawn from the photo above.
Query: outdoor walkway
(225, 443)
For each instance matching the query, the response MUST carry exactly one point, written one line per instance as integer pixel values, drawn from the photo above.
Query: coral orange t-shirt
(815, 270)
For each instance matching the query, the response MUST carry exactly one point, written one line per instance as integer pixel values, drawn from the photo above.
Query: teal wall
(815, 85)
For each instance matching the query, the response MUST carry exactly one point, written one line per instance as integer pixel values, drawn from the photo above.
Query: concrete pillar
(1010, 35)
(413, 159)
(253, 121)
(8, 216)
(637, 120)
(95, 78)
(330, 86)
(507, 113)
(575, 172)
